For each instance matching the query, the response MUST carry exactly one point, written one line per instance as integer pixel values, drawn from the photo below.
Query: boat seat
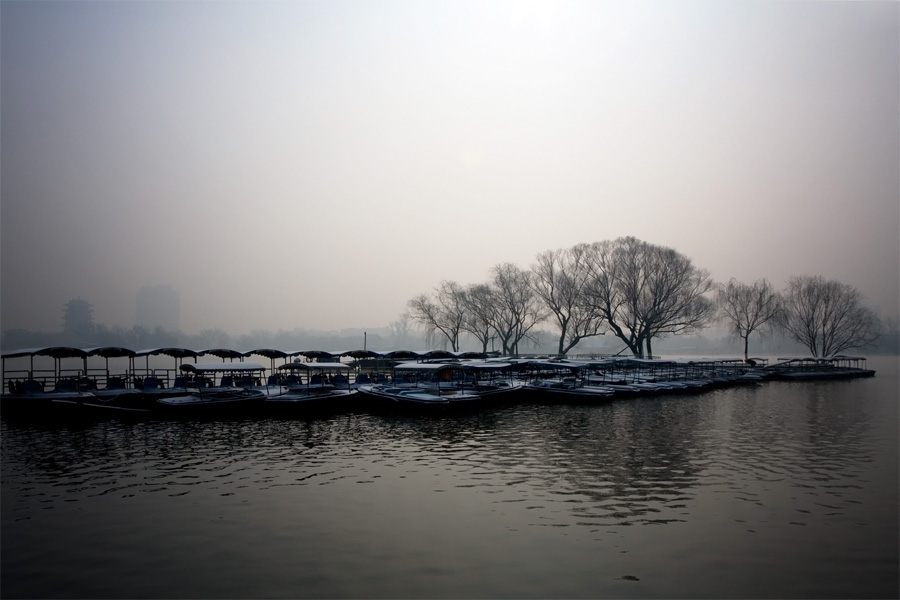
(363, 378)
(65, 385)
(227, 381)
(292, 380)
(246, 381)
(315, 379)
(380, 378)
(179, 382)
(31, 386)
(115, 383)
(151, 383)
(341, 380)
(272, 380)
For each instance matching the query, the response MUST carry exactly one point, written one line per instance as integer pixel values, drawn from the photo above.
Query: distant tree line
(640, 292)
(636, 292)
(139, 338)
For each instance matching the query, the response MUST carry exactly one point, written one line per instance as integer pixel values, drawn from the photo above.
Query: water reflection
(616, 464)
(788, 474)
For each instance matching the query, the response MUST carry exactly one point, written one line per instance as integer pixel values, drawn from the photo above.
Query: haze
(318, 164)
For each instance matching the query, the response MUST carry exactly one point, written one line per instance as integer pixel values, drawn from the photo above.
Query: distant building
(78, 316)
(157, 306)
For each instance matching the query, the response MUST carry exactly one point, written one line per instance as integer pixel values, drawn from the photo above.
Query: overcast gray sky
(318, 164)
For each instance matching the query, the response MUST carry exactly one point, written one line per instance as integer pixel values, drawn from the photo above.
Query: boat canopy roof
(644, 362)
(314, 366)
(360, 354)
(430, 366)
(267, 352)
(312, 353)
(557, 364)
(223, 367)
(483, 365)
(471, 354)
(110, 351)
(52, 351)
(222, 353)
(173, 352)
(402, 354)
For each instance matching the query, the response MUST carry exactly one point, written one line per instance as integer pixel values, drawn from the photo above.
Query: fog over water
(318, 164)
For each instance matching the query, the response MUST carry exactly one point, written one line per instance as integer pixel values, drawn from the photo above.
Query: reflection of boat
(313, 384)
(211, 388)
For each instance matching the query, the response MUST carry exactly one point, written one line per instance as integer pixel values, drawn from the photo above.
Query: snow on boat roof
(557, 364)
(267, 352)
(314, 366)
(435, 366)
(220, 367)
(359, 353)
(402, 354)
(483, 365)
(173, 352)
(312, 353)
(707, 361)
(221, 353)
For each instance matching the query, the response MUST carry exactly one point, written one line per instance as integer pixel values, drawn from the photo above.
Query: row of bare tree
(639, 292)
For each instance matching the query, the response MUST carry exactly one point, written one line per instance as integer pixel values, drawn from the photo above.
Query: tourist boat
(157, 382)
(313, 385)
(432, 385)
(42, 391)
(839, 366)
(267, 385)
(564, 380)
(211, 389)
(114, 391)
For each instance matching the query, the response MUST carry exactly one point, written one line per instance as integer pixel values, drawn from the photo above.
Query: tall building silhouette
(78, 316)
(157, 306)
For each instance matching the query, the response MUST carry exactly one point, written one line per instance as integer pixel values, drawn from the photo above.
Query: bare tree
(517, 309)
(644, 291)
(400, 331)
(560, 279)
(443, 313)
(747, 307)
(827, 316)
(479, 313)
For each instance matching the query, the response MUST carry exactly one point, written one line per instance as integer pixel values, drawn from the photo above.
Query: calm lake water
(787, 490)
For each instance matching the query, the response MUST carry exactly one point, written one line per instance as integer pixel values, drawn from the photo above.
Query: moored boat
(431, 385)
(39, 391)
(210, 389)
(313, 386)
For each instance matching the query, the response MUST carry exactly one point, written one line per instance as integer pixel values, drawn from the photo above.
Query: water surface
(787, 489)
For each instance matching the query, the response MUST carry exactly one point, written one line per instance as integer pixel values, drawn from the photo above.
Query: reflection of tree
(634, 462)
(619, 463)
(798, 431)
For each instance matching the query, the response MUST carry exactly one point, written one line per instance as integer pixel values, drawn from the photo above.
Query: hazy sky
(317, 164)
